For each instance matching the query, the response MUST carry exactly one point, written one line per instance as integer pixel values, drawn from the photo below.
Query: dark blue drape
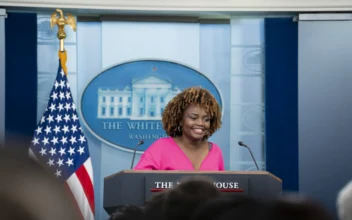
(21, 76)
(281, 100)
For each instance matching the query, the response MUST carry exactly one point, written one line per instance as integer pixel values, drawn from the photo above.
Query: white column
(135, 106)
(146, 106)
(99, 105)
(157, 110)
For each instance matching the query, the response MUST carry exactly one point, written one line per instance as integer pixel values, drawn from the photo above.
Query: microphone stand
(243, 145)
(135, 150)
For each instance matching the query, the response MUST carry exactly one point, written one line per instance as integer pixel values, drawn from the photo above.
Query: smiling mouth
(198, 130)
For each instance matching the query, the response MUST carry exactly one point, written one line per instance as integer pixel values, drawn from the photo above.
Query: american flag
(60, 145)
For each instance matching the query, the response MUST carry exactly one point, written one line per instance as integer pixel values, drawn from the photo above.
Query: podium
(136, 187)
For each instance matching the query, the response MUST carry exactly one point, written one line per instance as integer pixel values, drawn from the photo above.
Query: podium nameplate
(225, 183)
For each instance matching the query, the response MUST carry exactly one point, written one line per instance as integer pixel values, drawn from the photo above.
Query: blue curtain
(281, 100)
(21, 76)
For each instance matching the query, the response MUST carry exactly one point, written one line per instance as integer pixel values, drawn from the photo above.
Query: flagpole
(62, 48)
(61, 21)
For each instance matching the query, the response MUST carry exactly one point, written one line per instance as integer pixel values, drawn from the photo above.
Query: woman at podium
(189, 119)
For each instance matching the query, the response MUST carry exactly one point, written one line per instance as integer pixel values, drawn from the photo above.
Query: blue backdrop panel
(281, 100)
(21, 75)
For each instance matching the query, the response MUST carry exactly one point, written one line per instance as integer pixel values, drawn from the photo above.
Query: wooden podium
(137, 187)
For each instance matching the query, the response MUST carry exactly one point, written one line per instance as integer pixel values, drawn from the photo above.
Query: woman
(189, 119)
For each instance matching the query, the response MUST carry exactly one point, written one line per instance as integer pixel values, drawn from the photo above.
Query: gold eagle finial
(61, 21)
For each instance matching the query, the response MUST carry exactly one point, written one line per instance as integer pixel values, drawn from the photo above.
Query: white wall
(190, 5)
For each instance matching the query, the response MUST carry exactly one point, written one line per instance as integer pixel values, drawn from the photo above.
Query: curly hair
(173, 112)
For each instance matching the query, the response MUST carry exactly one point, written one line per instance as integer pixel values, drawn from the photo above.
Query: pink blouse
(165, 154)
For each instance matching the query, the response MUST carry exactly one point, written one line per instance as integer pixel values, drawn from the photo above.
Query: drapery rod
(151, 18)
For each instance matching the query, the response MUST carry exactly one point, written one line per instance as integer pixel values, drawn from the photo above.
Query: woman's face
(195, 123)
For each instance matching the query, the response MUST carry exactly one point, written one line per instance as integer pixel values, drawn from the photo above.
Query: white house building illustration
(143, 99)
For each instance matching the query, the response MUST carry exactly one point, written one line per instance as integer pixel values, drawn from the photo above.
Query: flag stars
(69, 162)
(74, 128)
(52, 151)
(72, 140)
(56, 84)
(62, 151)
(50, 118)
(50, 162)
(82, 139)
(63, 140)
(52, 107)
(59, 142)
(54, 140)
(42, 151)
(54, 95)
(62, 84)
(42, 120)
(35, 141)
(60, 107)
(74, 117)
(58, 118)
(62, 95)
(65, 129)
(58, 173)
(67, 118)
(45, 141)
(67, 106)
(71, 151)
(47, 130)
(56, 129)
(68, 95)
(80, 150)
(38, 130)
(60, 162)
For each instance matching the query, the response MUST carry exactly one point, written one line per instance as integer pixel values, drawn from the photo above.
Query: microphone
(243, 145)
(135, 150)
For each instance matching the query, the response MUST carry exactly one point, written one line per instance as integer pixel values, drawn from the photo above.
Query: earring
(179, 129)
